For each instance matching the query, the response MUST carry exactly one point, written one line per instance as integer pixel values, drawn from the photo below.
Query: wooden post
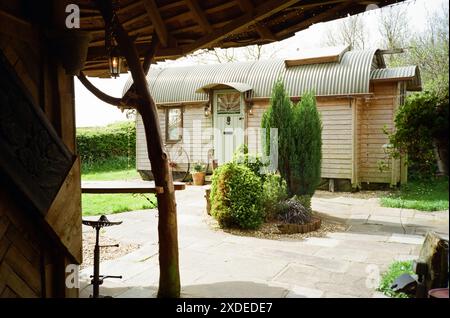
(169, 280)
(355, 144)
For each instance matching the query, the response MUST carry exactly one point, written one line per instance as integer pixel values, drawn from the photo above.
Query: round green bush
(236, 197)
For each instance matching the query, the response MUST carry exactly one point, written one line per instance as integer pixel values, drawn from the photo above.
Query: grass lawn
(125, 174)
(419, 195)
(97, 204)
(395, 270)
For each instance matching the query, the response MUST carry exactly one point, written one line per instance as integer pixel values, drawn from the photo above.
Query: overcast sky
(90, 111)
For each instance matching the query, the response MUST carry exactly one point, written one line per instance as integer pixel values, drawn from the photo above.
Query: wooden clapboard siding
(34, 248)
(254, 127)
(336, 117)
(197, 140)
(336, 138)
(375, 114)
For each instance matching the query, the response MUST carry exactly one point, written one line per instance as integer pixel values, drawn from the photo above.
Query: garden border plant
(236, 197)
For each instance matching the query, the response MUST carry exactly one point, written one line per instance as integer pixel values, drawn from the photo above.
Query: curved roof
(240, 87)
(351, 75)
(409, 73)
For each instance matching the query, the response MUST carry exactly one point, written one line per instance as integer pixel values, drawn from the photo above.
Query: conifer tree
(279, 115)
(306, 153)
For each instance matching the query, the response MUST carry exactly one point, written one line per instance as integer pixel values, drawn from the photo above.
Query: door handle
(240, 118)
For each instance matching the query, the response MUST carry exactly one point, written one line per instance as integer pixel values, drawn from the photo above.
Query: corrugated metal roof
(350, 76)
(409, 73)
(240, 87)
(394, 72)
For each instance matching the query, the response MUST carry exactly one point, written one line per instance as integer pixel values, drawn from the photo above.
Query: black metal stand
(97, 279)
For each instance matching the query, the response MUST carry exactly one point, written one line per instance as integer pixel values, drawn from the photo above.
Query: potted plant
(198, 174)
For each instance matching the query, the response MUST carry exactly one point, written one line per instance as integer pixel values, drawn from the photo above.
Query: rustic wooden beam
(157, 21)
(259, 13)
(169, 280)
(150, 54)
(23, 30)
(264, 32)
(199, 15)
(316, 18)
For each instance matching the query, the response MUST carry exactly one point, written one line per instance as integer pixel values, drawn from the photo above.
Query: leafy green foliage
(419, 122)
(423, 195)
(198, 167)
(279, 116)
(252, 161)
(101, 144)
(387, 279)
(306, 155)
(274, 191)
(236, 197)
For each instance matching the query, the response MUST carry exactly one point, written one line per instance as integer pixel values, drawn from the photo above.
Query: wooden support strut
(169, 280)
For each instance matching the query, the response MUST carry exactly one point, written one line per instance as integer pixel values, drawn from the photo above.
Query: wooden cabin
(209, 109)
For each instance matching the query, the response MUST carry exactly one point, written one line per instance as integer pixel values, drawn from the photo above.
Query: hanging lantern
(115, 62)
(111, 46)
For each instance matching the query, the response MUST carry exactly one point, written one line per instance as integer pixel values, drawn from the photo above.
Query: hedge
(103, 143)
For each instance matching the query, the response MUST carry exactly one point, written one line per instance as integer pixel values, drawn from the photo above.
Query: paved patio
(218, 264)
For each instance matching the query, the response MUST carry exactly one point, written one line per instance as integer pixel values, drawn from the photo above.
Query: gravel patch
(270, 231)
(106, 253)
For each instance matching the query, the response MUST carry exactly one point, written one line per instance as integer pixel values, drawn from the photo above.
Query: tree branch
(98, 93)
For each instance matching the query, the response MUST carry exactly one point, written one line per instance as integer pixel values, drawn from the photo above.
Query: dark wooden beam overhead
(263, 31)
(317, 18)
(199, 15)
(243, 22)
(157, 21)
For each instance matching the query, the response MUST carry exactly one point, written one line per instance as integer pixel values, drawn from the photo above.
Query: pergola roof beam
(157, 21)
(257, 14)
(264, 32)
(199, 15)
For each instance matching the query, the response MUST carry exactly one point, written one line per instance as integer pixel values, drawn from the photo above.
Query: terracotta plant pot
(198, 178)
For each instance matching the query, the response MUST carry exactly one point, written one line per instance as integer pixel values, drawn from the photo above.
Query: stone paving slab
(214, 263)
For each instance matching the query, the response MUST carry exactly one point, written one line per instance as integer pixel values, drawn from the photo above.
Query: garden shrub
(236, 197)
(100, 144)
(252, 161)
(419, 123)
(274, 191)
(292, 211)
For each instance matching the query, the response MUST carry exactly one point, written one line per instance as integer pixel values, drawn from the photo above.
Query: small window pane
(229, 103)
(174, 124)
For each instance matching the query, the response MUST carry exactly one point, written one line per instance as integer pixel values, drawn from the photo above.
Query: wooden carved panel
(31, 153)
